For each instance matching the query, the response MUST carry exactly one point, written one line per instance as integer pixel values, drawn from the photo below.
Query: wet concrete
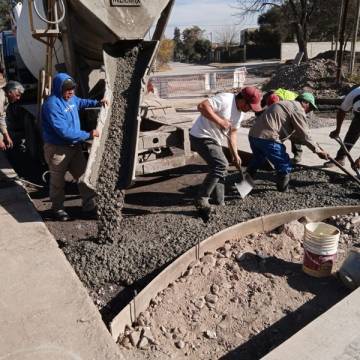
(160, 222)
(116, 161)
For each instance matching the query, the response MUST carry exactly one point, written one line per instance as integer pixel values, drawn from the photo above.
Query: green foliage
(166, 51)
(5, 10)
(192, 47)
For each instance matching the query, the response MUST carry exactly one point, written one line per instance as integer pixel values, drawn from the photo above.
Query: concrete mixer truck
(88, 39)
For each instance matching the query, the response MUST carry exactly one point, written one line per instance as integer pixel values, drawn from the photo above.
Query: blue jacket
(60, 118)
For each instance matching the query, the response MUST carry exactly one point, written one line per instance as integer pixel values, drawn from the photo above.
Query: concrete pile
(114, 170)
(316, 75)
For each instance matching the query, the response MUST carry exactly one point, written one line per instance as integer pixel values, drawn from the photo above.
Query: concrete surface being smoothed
(335, 335)
(45, 312)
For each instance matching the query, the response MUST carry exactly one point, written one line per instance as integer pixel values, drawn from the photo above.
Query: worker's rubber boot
(207, 187)
(61, 215)
(219, 194)
(282, 182)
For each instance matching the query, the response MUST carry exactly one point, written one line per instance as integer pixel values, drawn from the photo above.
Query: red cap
(272, 99)
(252, 96)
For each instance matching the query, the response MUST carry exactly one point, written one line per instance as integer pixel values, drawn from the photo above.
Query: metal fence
(198, 84)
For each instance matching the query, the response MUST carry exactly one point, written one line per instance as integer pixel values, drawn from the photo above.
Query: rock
(180, 344)
(199, 303)
(227, 247)
(240, 256)
(209, 260)
(205, 271)
(126, 343)
(215, 289)
(210, 334)
(294, 230)
(211, 298)
(194, 264)
(149, 335)
(228, 254)
(135, 337)
(144, 343)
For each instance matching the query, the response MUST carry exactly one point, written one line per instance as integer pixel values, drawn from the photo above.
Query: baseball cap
(308, 97)
(252, 96)
(68, 84)
(272, 99)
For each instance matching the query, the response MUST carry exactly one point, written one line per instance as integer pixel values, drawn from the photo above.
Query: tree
(166, 51)
(178, 45)
(5, 11)
(299, 13)
(202, 49)
(190, 36)
(228, 36)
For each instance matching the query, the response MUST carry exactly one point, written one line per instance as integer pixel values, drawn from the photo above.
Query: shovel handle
(346, 171)
(352, 162)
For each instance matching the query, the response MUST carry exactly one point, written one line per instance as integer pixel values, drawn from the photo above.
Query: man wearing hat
(274, 96)
(9, 95)
(219, 120)
(281, 121)
(350, 102)
(62, 142)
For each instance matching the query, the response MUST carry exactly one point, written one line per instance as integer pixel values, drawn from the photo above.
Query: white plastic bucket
(320, 248)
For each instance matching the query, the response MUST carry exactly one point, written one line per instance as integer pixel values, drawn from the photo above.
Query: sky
(211, 15)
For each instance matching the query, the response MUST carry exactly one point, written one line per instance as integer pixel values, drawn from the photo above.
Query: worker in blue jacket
(62, 142)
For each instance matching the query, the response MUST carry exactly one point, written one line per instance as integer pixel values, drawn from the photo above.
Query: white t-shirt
(224, 105)
(351, 101)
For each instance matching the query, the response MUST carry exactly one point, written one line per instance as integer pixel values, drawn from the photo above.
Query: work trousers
(296, 149)
(273, 151)
(215, 158)
(351, 136)
(63, 158)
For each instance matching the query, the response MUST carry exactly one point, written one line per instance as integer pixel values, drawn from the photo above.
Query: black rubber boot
(206, 189)
(282, 182)
(219, 194)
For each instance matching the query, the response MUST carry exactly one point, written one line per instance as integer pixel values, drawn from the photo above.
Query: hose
(62, 7)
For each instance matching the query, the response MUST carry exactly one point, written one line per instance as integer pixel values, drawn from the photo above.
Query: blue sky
(210, 15)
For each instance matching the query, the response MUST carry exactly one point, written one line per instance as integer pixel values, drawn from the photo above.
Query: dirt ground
(239, 302)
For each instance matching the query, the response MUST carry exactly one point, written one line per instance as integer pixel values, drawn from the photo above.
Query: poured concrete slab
(335, 335)
(45, 312)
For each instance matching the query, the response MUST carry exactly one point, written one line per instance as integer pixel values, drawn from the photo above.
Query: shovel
(352, 162)
(341, 167)
(247, 183)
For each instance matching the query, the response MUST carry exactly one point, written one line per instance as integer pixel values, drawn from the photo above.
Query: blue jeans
(273, 151)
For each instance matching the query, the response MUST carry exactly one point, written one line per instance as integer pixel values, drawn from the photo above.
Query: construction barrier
(198, 84)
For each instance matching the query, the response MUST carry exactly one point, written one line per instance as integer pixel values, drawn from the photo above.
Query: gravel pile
(317, 76)
(148, 242)
(237, 303)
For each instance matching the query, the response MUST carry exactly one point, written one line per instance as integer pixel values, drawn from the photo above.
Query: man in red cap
(219, 120)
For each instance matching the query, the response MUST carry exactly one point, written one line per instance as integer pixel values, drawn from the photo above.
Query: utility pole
(354, 38)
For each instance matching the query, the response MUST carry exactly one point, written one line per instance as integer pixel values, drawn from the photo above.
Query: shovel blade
(244, 187)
